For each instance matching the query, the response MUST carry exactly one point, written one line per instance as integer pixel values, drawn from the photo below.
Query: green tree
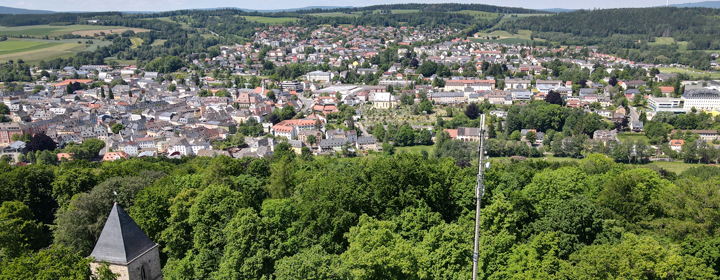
(530, 136)
(311, 139)
(116, 128)
(405, 136)
(651, 261)
(379, 132)
(515, 135)
(55, 262)
(19, 233)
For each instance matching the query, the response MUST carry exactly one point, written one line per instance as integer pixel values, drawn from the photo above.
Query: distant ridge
(704, 4)
(18, 11)
(559, 10)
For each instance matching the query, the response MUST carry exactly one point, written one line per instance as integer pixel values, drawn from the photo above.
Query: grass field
(415, 149)
(51, 30)
(136, 42)
(689, 71)
(158, 43)
(633, 136)
(270, 20)
(51, 51)
(35, 50)
(10, 47)
(504, 37)
(108, 31)
(677, 167)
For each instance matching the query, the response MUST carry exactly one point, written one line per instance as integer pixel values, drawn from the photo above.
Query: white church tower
(128, 250)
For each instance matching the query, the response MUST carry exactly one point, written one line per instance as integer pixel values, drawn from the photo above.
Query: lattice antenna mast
(479, 192)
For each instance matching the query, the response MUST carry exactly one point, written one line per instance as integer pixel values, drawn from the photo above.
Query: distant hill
(705, 4)
(559, 10)
(298, 9)
(18, 11)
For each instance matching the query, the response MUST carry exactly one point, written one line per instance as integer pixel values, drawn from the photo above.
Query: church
(128, 250)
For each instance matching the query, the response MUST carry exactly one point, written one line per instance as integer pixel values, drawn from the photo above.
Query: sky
(166, 5)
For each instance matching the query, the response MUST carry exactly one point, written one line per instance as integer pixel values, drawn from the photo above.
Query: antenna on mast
(479, 192)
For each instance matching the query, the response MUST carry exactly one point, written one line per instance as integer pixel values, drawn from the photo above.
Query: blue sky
(165, 5)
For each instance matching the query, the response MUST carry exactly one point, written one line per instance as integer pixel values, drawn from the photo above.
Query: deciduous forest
(404, 216)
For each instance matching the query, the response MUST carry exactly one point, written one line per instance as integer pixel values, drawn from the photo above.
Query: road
(362, 128)
(307, 103)
(634, 116)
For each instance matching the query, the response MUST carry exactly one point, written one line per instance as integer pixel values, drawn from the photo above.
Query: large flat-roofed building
(702, 99)
(667, 104)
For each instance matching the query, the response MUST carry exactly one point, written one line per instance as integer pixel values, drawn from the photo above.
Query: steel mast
(479, 193)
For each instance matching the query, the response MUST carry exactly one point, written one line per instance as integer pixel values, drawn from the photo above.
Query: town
(220, 104)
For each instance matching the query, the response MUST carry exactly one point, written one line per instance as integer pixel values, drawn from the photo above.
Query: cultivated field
(52, 30)
(34, 54)
(108, 31)
(10, 47)
(35, 50)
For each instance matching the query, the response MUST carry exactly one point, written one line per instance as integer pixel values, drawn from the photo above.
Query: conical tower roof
(121, 239)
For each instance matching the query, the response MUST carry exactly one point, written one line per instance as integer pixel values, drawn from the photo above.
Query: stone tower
(128, 250)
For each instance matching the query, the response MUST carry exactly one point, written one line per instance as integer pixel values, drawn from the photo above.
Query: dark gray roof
(121, 239)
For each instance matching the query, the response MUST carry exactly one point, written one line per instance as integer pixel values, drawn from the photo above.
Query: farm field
(33, 53)
(108, 31)
(10, 47)
(689, 71)
(35, 50)
(269, 20)
(52, 30)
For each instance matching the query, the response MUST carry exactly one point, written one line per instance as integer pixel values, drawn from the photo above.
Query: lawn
(52, 30)
(677, 167)
(694, 73)
(632, 136)
(415, 149)
(270, 20)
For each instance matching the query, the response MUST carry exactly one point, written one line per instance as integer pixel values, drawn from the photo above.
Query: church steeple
(127, 249)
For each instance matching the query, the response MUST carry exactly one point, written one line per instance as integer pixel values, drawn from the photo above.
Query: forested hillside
(382, 217)
(445, 7)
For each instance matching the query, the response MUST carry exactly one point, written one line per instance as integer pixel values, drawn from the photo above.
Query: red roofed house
(676, 145)
(112, 156)
(453, 133)
(288, 132)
